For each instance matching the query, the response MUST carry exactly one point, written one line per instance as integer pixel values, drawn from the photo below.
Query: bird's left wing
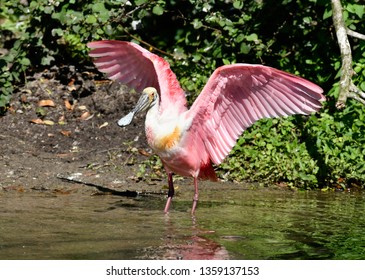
(238, 95)
(138, 68)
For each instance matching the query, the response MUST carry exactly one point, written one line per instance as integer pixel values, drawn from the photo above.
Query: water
(235, 224)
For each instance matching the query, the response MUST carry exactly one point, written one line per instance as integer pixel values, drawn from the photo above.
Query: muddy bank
(62, 123)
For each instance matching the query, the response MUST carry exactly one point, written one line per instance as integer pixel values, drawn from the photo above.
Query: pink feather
(240, 94)
(138, 68)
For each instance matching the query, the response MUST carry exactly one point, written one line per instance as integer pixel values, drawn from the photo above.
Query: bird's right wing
(238, 95)
(138, 68)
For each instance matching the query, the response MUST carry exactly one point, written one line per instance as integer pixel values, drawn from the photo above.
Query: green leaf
(362, 86)
(157, 10)
(57, 32)
(47, 60)
(252, 37)
(327, 13)
(25, 61)
(76, 28)
(238, 4)
(48, 9)
(226, 61)
(4, 100)
(356, 9)
(142, 13)
(140, 2)
(196, 57)
(98, 7)
(91, 19)
(101, 11)
(197, 23)
(244, 48)
(240, 38)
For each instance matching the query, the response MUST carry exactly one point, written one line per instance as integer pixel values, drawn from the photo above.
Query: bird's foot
(168, 203)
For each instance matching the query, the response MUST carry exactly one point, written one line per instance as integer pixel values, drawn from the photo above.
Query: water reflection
(234, 224)
(293, 225)
(191, 243)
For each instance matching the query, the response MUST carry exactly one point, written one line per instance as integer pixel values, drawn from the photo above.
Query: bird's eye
(153, 95)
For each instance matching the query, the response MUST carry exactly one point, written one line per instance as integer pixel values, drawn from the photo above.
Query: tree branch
(346, 56)
(357, 94)
(355, 34)
(347, 88)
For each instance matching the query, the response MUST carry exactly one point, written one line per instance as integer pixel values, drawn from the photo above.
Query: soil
(60, 135)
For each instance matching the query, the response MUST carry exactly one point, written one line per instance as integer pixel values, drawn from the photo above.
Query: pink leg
(170, 194)
(196, 196)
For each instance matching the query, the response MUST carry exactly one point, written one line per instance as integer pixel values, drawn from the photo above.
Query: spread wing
(138, 68)
(238, 95)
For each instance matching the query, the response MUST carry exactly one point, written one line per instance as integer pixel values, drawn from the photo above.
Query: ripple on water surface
(234, 224)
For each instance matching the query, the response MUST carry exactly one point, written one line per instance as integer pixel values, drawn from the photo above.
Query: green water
(234, 224)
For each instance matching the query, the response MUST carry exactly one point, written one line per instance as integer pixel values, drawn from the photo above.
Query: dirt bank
(62, 124)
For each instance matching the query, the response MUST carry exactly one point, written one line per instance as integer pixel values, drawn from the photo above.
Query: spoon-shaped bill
(127, 119)
(144, 103)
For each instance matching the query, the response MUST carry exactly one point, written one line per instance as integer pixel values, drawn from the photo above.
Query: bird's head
(147, 100)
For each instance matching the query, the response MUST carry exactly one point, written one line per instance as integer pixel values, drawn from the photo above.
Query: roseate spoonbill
(188, 141)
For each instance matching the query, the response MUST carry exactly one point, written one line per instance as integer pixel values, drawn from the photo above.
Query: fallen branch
(71, 179)
(347, 87)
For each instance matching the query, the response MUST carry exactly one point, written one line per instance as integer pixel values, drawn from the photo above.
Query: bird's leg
(171, 192)
(196, 196)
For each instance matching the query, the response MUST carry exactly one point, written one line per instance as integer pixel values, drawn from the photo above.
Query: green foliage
(319, 151)
(196, 37)
(272, 151)
(41, 33)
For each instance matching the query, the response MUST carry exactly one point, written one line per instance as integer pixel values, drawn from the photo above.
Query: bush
(319, 151)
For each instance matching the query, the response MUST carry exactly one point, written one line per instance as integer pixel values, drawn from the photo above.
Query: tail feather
(207, 172)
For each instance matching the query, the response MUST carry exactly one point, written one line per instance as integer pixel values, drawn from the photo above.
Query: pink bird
(188, 141)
